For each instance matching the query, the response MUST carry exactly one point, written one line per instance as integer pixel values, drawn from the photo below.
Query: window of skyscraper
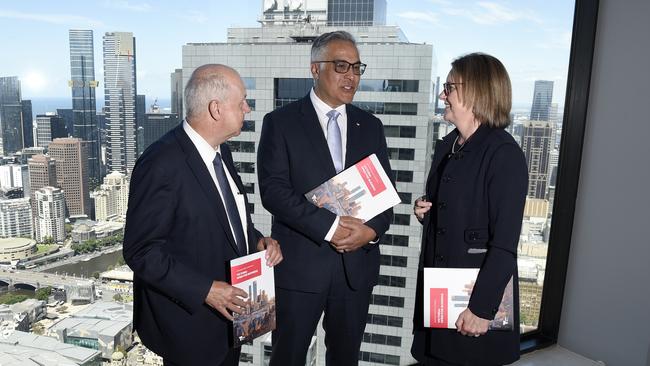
(85, 87)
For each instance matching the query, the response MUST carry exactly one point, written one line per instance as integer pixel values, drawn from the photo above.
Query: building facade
(16, 218)
(72, 168)
(155, 125)
(28, 124)
(11, 115)
(111, 200)
(50, 214)
(49, 127)
(542, 98)
(176, 79)
(120, 101)
(274, 63)
(536, 142)
(83, 86)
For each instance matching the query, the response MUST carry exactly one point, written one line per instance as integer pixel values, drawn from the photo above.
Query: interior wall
(606, 311)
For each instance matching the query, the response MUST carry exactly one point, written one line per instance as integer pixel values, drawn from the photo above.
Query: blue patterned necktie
(231, 205)
(334, 140)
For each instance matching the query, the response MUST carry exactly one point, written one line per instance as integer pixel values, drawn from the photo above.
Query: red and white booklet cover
(251, 274)
(446, 295)
(362, 191)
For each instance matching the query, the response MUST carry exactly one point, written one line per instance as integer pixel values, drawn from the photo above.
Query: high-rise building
(536, 142)
(274, 63)
(157, 124)
(140, 110)
(16, 218)
(14, 175)
(42, 173)
(49, 127)
(112, 198)
(83, 85)
(120, 101)
(356, 12)
(71, 158)
(50, 214)
(28, 124)
(177, 92)
(68, 119)
(542, 98)
(11, 115)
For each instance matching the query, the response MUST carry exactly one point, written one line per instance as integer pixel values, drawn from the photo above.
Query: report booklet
(446, 295)
(362, 191)
(251, 274)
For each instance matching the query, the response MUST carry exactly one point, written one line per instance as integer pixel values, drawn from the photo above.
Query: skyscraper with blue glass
(83, 85)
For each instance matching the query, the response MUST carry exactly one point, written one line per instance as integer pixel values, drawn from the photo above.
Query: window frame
(568, 175)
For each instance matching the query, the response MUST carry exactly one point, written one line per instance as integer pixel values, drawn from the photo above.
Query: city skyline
(532, 39)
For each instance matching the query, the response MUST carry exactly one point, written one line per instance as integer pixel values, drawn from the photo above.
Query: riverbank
(77, 258)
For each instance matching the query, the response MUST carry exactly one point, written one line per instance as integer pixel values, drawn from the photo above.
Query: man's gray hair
(204, 87)
(321, 42)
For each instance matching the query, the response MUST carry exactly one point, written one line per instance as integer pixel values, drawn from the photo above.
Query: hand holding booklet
(362, 191)
(251, 274)
(447, 292)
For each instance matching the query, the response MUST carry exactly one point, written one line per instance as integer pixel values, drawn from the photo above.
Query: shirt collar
(206, 150)
(322, 108)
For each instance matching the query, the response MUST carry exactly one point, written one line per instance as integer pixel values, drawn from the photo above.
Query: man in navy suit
(187, 218)
(331, 263)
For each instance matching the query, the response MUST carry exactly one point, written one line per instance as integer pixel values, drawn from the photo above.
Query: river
(88, 267)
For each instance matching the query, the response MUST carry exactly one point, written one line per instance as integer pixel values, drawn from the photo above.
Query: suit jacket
(480, 204)
(177, 241)
(293, 158)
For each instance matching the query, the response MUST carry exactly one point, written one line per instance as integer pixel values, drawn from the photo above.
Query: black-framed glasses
(342, 66)
(447, 88)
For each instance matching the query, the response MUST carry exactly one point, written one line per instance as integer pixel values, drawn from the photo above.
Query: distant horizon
(531, 39)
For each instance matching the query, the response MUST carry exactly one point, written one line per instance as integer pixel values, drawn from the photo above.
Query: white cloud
(490, 13)
(64, 19)
(194, 16)
(427, 17)
(126, 5)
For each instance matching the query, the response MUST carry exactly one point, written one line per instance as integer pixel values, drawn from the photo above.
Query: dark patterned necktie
(231, 205)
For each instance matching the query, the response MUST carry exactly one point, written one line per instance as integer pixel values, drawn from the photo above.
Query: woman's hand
(421, 207)
(471, 325)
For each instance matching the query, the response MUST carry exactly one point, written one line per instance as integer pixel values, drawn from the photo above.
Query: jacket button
(473, 235)
(441, 231)
(442, 205)
(446, 179)
(440, 258)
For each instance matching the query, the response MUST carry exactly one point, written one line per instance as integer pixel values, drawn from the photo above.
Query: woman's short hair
(485, 86)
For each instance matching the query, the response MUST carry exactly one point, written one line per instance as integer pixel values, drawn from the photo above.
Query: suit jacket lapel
(197, 166)
(315, 134)
(354, 148)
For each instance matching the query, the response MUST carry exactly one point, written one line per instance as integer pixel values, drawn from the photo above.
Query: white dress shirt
(321, 111)
(208, 153)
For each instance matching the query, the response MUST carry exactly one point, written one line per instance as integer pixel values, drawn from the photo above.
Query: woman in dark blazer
(472, 214)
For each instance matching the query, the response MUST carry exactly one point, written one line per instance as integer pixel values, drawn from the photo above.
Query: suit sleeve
(381, 222)
(507, 187)
(149, 221)
(278, 194)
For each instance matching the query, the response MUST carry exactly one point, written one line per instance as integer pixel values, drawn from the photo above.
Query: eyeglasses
(342, 66)
(447, 88)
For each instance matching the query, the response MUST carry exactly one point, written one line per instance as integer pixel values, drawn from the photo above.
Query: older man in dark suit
(332, 263)
(187, 219)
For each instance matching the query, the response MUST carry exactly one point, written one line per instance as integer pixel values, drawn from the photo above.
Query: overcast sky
(532, 38)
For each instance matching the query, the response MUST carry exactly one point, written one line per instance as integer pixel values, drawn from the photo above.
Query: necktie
(334, 140)
(231, 205)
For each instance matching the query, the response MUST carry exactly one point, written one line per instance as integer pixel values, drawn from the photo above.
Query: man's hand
(360, 235)
(469, 324)
(273, 252)
(224, 297)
